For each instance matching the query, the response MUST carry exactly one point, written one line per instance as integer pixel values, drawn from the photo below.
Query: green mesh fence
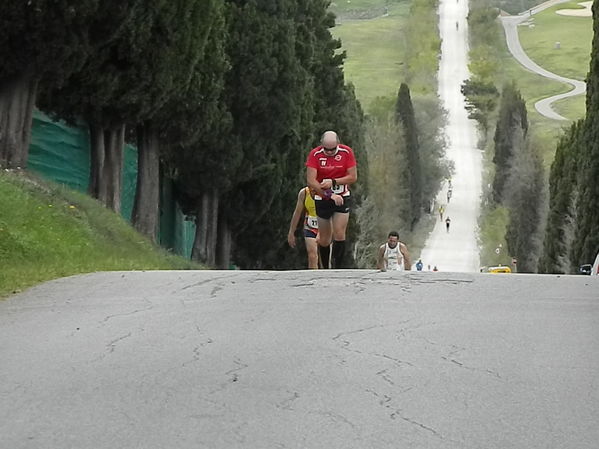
(61, 153)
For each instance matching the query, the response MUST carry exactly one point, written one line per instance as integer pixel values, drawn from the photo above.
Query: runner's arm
(406, 255)
(350, 177)
(380, 260)
(295, 218)
(311, 180)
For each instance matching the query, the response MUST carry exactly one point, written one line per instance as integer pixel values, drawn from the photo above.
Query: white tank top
(393, 257)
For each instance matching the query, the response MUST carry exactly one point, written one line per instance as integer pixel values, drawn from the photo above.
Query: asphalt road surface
(458, 249)
(510, 25)
(327, 359)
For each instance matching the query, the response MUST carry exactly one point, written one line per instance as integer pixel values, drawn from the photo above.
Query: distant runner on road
(447, 223)
(419, 265)
(393, 255)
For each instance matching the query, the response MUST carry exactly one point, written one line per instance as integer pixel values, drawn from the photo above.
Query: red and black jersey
(333, 166)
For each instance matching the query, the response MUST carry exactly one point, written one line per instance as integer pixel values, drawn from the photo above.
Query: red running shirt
(331, 167)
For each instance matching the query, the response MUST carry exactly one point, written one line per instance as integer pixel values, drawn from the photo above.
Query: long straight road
(457, 250)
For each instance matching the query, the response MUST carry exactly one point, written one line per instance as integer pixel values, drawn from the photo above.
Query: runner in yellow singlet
(305, 206)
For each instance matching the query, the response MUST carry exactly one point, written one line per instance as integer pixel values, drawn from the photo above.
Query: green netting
(61, 153)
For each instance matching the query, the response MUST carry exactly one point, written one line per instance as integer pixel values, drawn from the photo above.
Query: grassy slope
(574, 35)
(48, 231)
(572, 59)
(538, 42)
(373, 49)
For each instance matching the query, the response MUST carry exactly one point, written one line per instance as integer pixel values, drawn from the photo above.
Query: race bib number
(312, 222)
(339, 189)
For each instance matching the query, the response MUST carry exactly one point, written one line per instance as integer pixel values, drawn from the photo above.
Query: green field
(48, 231)
(374, 51)
(535, 87)
(361, 9)
(574, 107)
(574, 35)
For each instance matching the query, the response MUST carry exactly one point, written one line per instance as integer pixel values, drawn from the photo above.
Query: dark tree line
(572, 232)
(225, 97)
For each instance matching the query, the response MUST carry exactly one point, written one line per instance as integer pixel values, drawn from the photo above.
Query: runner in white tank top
(393, 255)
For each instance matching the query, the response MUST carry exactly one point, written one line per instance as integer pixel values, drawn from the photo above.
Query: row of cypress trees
(572, 232)
(552, 238)
(223, 96)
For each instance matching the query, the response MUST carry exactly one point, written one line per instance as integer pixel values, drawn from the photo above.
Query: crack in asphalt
(112, 344)
(397, 414)
(286, 403)
(215, 290)
(205, 281)
(346, 343)
(396, 360)
(444, 281)
(472, 368)
(383, 374)
(109, 317)
(240, 366)
(336, 417)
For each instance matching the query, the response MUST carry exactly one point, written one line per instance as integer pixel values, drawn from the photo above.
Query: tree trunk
(96, 160)
(112, 172)
(147, 194)
(204, 246)
(212, 229)
(198, 253)
(17, 100)
(223, 256)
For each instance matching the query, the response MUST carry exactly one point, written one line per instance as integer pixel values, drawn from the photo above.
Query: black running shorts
(326, 208)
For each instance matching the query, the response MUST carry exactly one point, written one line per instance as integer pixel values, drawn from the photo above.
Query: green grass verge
(361, 9)
(574, 34)
(374, 52)
(48, 231)
(493, 247)
(571, 107)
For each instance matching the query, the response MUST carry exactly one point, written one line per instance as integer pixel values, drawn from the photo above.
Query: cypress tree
(525, 198)
(586, 241)
(563, 189)
(512, 127)
(40, 41)
(412, 171)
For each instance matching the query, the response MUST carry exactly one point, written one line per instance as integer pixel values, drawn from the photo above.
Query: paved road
(306, 360)
(458, 249)
(510, 25)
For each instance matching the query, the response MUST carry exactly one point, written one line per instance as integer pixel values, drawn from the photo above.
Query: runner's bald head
(329, 139)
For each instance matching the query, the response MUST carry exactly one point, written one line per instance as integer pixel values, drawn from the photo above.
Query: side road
(510, 25)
